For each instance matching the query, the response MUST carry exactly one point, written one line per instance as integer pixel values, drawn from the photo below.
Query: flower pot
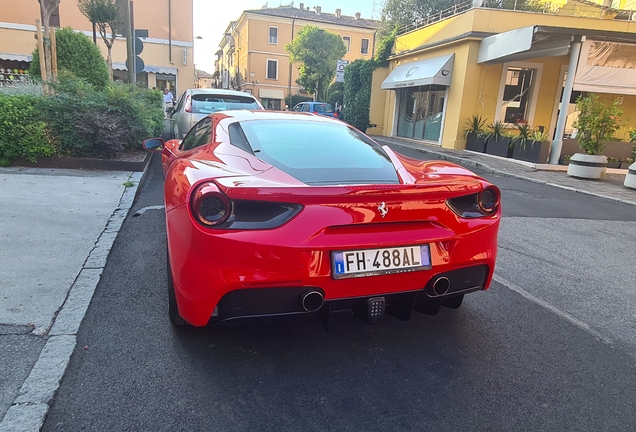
(587, 166)
(531, 151)
(475, 142)
(499, 146)
(564, 161)
(630, 178)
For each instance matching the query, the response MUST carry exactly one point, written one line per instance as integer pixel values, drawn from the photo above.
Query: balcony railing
(580, 8)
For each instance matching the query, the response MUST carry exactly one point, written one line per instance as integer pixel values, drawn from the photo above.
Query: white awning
(522, 44)
(148, 68)
(437, 70)
(271, 94)
(15, 57)
(606, 67)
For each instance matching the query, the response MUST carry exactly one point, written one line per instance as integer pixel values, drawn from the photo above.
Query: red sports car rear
(273, 214)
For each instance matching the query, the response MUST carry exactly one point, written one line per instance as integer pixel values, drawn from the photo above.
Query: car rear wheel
(173, 311)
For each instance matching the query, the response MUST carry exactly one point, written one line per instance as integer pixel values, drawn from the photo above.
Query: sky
(211, 18)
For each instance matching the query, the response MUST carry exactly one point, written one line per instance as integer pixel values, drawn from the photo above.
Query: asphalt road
(548, 348)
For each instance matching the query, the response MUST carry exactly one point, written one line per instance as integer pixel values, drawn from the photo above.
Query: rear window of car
(319, 153)
(323, 108)
(208, 103)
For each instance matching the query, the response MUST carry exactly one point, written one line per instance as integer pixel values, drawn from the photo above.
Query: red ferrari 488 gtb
(273, 214)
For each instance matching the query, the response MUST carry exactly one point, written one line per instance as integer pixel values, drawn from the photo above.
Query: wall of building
(17, 28)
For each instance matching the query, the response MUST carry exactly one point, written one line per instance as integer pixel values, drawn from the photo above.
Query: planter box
(613, 164)
(499, 146)
(625, 165)
(563, 161)
(586, 166)
(532, 151)
(475, 142)
(85, 163)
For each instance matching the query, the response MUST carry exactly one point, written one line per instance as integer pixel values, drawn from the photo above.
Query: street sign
(139, 46)
(340, 67)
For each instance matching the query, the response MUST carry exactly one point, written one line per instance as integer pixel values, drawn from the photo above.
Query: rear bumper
(228, 275)
(253, 303)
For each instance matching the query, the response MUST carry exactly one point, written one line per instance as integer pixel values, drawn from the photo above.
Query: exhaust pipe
(312, 300)
(441, 286)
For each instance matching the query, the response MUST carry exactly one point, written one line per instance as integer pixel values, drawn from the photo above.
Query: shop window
(271, 104)
(517, 94)
(421, 112)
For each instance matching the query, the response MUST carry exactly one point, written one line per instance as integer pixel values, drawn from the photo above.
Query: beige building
(510, 66)
(167, 52)
(252, 55)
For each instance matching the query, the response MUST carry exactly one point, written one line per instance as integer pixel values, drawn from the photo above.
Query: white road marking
(566, 316)
(143, 210)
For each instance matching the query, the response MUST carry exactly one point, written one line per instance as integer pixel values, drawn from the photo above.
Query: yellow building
(252, 55)
(167, 52)
(506, 65)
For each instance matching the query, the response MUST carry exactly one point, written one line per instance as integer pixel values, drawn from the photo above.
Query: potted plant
(626, 162)
(498, 143)
(613, 162)
(565, 160)
(475, 133)
(530, 145)
(597, 123)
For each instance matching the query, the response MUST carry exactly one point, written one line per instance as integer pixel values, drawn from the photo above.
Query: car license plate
(370, 262)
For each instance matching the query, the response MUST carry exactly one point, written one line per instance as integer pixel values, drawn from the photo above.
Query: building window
(421, 112)
(347, 42)
(364, 48)
(517, 93)
(272, 69)
(273, 35)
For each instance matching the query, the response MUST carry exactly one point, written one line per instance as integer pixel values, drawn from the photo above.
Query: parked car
(195, 104)
(274, 214)
(321, 108)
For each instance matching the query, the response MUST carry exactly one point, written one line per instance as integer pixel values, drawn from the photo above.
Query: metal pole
(129, 47)
(557, 142)
(289, 107)
(132, 35)
(170, 31)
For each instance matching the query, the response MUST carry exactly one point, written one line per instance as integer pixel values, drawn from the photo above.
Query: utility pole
(130, 63)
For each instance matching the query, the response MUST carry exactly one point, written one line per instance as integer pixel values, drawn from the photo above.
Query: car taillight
(488, 199)
(209, 205)
(476, 205)
(188, 104)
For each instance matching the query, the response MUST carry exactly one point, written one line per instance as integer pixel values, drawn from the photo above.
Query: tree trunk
(109, 61)
(46, 9)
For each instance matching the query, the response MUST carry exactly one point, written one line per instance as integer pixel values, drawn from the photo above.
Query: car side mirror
(153, 145)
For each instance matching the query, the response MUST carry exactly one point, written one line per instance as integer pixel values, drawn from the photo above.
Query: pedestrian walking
(168, 101)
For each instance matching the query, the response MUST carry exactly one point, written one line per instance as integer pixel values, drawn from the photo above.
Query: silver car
(194, 104)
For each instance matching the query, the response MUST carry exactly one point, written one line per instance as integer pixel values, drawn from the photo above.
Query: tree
(77, 55)
(46, 9)
(401, 13)
(105, 15)
(316, 50)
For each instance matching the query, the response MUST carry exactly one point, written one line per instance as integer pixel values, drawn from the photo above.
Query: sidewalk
(553, 175)
(57, 228)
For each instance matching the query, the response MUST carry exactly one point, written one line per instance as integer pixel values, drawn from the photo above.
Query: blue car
(321, 108)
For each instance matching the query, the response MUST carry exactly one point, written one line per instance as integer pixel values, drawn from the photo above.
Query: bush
(103, 124)
(357, 93)
(23, 133)
(77, 54)
(335, 94)
(597, 122)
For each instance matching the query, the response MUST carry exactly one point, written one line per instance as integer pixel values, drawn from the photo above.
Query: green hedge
(357, 92)
(23, 133)
(79, 121)
(76, 54)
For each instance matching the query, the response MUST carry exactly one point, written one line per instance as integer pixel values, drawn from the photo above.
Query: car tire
(454, 302)
(173, 310)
